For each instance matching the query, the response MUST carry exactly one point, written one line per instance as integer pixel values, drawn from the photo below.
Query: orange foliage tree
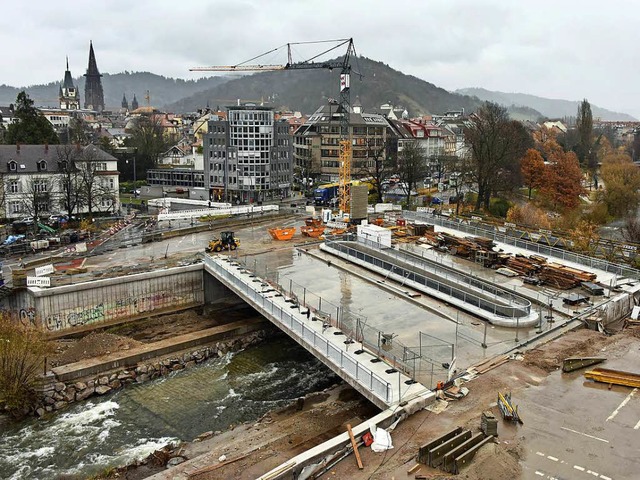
(621, 182)
(563, 180)
(532, 169)
(528, 215)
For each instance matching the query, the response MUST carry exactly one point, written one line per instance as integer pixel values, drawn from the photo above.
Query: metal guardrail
(305, 335)
(566, 255)
(214, 212)
(478, 301)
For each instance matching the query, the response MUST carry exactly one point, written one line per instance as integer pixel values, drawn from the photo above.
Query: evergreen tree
(30, 126)
(584, 124)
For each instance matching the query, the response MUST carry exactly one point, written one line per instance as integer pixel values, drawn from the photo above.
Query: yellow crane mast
(344, 103)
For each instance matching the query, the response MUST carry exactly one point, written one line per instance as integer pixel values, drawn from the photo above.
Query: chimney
(78, 146)
(46, 148)
(18, 148)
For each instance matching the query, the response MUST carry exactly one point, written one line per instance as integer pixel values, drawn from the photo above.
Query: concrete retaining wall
(108, 300)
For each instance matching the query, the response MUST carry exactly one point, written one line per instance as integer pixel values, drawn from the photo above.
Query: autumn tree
(22, 352)
(528, 215)
(29, 126)
(411, 166)
(532, 168)
(497, 144)
(562, 184)
(622, 182)
(585, 237)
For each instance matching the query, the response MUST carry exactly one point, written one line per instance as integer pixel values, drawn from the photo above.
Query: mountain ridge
(549, 107)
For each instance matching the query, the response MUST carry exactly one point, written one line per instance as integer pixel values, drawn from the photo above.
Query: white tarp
(381, 439)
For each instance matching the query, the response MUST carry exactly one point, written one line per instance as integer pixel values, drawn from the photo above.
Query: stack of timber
(563, 277)
(489, 424)
(522, 265)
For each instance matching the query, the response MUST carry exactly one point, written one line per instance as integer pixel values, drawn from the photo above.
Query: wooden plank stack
(563, 277)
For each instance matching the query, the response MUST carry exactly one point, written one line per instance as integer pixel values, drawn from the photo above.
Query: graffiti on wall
(121, 308)
(27, 316)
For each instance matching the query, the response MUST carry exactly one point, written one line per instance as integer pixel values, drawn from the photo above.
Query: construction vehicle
(344, 103)
(226, 242)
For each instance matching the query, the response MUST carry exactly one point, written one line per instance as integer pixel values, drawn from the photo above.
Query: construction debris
(508, 410)
(355, 447)
(614, 377)
(576, 363)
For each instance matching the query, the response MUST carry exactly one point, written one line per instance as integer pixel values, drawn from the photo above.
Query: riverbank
(245, 452)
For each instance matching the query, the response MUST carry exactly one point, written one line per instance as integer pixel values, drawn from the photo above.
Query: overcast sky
(570, 49)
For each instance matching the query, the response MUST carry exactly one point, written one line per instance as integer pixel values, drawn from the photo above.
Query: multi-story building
(248, 156)
(39, 180)
(317, 143)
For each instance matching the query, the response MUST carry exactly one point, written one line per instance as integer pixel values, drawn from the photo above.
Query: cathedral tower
(69, 95)
(93, 95)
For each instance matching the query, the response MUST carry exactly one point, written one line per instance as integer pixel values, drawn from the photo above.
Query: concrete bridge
(363, 369)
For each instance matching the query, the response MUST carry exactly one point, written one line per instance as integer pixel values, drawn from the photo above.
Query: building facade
(317, 143)
(40, 180)
(248, 156)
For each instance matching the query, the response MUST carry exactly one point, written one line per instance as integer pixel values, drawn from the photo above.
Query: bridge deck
(362, 369)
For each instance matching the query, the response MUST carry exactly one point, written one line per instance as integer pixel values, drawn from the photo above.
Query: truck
(324, 194)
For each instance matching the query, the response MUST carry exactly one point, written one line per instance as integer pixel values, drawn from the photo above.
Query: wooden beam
(355, 447)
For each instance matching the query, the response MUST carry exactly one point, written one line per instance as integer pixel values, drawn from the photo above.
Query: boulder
(115, 384)
(40, 411)
(142, 369)
(79, 386)
(102, 389)
(84, 394)
(59, 405)
(175, 461)
(142, 378)
(59, 387)
(104, 380)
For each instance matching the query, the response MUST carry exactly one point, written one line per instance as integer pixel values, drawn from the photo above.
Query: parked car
(436, 201)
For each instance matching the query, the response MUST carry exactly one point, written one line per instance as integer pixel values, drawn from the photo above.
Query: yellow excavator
(226, 242)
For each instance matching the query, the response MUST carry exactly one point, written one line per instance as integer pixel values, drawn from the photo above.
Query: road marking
(637, 425)
(578, 467)
(624, 402)
(540, 453)
(540, 474)
(595, 474)
(604, 477)
(552, 458)
(586, 435)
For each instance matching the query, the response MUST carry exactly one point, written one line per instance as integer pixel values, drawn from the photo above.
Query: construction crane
(344, 103)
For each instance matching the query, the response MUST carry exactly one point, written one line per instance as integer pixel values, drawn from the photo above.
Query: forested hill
(162, 90)
(551, 108)
(306, 90)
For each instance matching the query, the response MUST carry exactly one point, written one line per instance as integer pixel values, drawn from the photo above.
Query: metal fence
(378, 260)
(305, 335)
(540, 249)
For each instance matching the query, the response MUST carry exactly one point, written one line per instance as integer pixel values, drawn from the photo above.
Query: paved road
(578, 429)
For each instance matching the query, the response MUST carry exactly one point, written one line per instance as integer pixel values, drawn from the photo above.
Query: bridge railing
(384, 262)
(297, 327)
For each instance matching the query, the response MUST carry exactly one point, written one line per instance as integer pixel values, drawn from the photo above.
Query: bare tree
(497, 144)
(36, 198)
(411, 167)
(70, 181)
(376, 166)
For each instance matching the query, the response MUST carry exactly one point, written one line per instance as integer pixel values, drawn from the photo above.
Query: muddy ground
(252, 449)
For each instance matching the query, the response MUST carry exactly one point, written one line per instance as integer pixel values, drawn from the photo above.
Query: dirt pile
(549, 356)
(93, 345)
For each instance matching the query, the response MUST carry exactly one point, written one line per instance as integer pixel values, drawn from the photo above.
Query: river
(117, 429)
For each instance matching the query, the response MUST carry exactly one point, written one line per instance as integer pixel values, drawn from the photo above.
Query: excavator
(226, 242)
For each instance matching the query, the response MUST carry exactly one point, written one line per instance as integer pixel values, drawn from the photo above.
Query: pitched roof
(30, 155)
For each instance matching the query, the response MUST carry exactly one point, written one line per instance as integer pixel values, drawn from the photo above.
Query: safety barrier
(250, 288)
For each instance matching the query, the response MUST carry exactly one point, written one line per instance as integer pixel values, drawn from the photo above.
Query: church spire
(125, 104)
(68, 95)
(93, 94)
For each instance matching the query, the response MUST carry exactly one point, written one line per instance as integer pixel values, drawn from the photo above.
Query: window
(40, 186)
(13, 166)
(15, 207)
(14, 186)
(101, 166)
(42, 166)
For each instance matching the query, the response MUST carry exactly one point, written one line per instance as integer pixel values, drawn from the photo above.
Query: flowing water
(128, 425)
